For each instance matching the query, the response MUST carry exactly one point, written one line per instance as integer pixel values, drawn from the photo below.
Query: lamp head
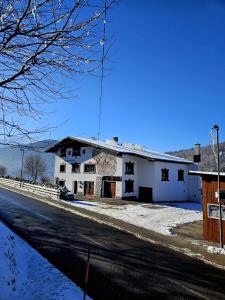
(216, 127)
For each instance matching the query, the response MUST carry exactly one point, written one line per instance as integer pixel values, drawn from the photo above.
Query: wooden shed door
(109, 189)
(145, 194)
(89, 188)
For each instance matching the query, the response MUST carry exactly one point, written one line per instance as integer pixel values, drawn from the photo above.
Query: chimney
(197, 153)
(115, 139)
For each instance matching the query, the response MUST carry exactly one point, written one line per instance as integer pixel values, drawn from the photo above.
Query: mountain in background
(11, 157)
(208, 160)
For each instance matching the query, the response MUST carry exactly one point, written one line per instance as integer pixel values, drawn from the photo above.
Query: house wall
(90, 157)
(194, 185)
(174, 190)
(143, 174)
(148, 174)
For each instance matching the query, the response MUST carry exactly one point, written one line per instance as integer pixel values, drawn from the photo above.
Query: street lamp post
(216, 127)
(21, 175)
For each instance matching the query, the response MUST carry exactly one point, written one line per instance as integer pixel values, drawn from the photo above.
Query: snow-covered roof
(126, 148)
(202, 173)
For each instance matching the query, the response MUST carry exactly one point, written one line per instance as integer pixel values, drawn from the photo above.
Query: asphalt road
(122, 266)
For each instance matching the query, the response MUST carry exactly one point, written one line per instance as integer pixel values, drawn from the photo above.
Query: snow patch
(216, 250)
(26, 275)
(154, 217)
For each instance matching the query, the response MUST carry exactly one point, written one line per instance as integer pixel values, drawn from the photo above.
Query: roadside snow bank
(26, 275)
(159, 218)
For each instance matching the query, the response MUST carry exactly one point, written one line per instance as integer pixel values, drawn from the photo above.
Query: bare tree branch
(41, 41)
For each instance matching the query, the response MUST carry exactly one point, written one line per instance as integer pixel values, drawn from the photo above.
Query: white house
(97, 168)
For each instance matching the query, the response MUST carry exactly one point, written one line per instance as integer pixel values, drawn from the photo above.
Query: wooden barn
(210, 204)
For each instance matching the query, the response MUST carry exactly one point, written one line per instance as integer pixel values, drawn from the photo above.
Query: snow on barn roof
(126, 148)
(205, 173)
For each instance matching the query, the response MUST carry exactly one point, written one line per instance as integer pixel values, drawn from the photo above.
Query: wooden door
(113, 189)
(89, 188)
(145, 194)
(109, 189)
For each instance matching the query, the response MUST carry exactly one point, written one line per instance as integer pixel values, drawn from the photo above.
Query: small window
(89, 168)
(69, 153)
(180, 175)
(129, 168)
(76, 151)
(63, 152)
(129, 186)
(83, 152)
(76, 168)
(62, 168)
(165, 174)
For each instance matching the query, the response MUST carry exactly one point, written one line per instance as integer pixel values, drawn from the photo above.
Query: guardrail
(34, 188)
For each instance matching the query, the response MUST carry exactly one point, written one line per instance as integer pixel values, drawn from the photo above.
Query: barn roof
(119, 148)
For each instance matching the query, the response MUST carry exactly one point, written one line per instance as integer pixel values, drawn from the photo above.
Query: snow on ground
(26, 275)
(187, 205)
(216, 250)
(159, 218)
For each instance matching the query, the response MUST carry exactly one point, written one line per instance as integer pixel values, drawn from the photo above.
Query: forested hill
(208, 159)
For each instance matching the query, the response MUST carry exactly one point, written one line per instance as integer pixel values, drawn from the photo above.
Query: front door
(88, 188)
(109, 189)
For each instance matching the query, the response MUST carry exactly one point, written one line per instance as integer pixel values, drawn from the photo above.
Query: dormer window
(129, 168)
(63, 152)
(76, 151)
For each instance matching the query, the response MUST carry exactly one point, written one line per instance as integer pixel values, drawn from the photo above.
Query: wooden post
(87, 272)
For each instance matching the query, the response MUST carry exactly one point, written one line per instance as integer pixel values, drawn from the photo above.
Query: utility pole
(216, 127)
(21, 175)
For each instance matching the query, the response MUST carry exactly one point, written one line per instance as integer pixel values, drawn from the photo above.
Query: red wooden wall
(211, 226)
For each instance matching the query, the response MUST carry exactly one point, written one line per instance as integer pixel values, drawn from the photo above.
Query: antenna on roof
(102, 43)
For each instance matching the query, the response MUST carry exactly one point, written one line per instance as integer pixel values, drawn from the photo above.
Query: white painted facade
(110, 165)
(148, 174)
(69, 177)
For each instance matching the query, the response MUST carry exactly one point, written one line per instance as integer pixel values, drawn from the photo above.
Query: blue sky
(165, 88)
